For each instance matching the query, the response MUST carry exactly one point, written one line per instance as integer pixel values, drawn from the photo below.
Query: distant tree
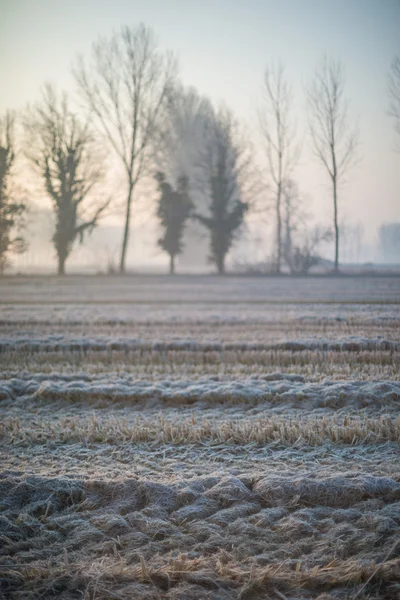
(292, 215)
(301, 241)
(389, 240)
(126, 89)
(11, 211)
(224, 166)
(304, 251)
(280, 141)
(351, 234)
(188, 119)
(62, 149)
(334, 139)
(173, 211)
(394, 95)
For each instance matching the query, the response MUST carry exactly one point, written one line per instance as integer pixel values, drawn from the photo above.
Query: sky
(223, 47)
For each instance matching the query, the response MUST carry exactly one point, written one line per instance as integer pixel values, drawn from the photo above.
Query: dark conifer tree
(10, 210)
(225, 210)
(173, 210)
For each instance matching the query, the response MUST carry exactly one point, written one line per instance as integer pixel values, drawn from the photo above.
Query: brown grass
(262, 430)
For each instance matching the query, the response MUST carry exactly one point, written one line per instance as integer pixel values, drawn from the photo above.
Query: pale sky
(223, 47)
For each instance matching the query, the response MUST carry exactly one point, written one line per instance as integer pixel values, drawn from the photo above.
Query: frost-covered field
(197, 438)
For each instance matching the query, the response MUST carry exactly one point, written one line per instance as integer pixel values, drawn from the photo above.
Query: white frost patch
(271, 390)
(194, 312)
(26, 341)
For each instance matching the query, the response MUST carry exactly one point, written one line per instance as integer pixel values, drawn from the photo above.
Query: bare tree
(394, 95)
(389, 241)
(226, 166)
(301, 240)
(11, 211)
(351, 239)
(304, 250)
(334, 140)
(125, 89)
(62, 149)
(292, 216)
(280, 142)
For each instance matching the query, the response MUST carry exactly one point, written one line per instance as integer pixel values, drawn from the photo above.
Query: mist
(45, 42)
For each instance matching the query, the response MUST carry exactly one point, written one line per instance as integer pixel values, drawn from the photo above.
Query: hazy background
(223, 48)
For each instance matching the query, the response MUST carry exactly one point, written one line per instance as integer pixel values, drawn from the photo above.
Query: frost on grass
(193, 538)
(224, 440)
(271, 390)
(62, 343)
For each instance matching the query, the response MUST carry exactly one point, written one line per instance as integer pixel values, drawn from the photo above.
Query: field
(194, 438)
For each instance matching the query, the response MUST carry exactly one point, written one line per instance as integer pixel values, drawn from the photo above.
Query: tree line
(139, 120)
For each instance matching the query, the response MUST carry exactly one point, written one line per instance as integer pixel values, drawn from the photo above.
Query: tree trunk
(287, 247)
(278, 229)
(335, 212)
(221, 265)
(172, 264)
(126, 230)
(61, 264)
